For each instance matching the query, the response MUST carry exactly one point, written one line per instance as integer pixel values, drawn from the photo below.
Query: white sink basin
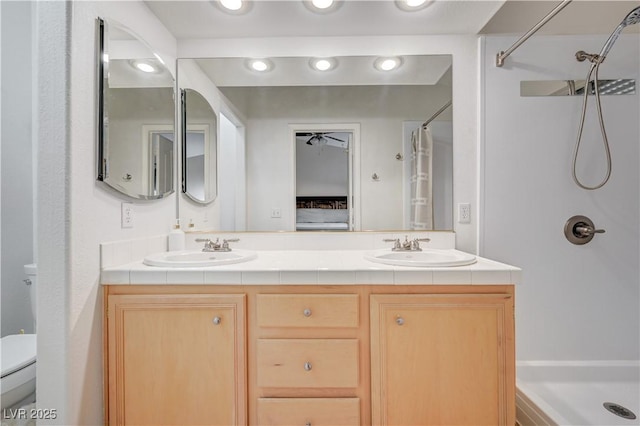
(198, 258)
(425, 258)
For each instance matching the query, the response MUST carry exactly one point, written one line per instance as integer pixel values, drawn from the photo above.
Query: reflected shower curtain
(421, 217)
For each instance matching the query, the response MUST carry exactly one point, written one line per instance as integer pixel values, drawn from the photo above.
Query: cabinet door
(442, 360)
(177, 359)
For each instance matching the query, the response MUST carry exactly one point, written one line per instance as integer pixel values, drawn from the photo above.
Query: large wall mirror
(199, 147)
(295, 116)
(136, 115)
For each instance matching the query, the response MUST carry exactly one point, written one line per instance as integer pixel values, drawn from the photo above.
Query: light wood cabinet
(442, 359)
(319, 355)
(308, 411)
(307, 363)
(176, 359)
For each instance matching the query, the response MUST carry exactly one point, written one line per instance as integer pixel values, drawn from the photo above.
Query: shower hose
(592, 70)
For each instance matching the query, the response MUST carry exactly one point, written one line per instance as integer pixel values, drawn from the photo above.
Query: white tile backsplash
(322, 240)
(114, 253)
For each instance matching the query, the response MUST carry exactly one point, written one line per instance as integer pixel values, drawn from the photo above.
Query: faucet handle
(395, 241)
(203, 240)
(415, 243)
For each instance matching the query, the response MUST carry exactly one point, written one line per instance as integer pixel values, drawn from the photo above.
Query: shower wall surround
(572, 297)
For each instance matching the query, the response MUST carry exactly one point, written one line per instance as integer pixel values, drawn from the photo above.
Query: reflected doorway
(232, 176)
(160, 163)
(323, 179)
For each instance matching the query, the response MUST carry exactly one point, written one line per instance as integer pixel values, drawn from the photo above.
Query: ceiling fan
(324, 138)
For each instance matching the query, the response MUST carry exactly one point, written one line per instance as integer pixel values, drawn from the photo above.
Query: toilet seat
(18, 352)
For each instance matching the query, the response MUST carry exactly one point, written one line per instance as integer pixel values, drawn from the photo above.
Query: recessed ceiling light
(323, 64)
(235, 7)
(387, 63)
(260, 65)
(412, 5)
(231, 4)
(144, 65)
(322, 6)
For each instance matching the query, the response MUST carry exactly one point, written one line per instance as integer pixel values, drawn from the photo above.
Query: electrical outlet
(126, 215)
(464, 213)
(276, 213)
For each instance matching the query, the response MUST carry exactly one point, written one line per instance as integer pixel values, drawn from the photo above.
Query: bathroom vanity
(396, 345)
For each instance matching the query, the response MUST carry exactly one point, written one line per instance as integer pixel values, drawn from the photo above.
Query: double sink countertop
(309, 267)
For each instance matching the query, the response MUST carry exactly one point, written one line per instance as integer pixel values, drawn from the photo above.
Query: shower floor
(573, 393)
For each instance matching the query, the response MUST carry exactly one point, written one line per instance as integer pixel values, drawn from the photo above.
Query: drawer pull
(307, 424)
(307, 366)
(217, 320)
(400, 320)
(307, 312)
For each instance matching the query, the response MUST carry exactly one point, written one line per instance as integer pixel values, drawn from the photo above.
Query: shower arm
(500, 57)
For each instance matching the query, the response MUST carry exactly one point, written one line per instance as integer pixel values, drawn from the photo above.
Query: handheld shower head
(632, 18)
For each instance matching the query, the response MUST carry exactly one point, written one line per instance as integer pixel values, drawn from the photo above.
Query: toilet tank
(31, 271)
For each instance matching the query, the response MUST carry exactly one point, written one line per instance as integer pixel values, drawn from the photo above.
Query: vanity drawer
(308, 411)
(307, 310)
(307, 363)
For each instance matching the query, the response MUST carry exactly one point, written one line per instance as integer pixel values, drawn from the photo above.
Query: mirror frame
(183, 147)
(102, 130)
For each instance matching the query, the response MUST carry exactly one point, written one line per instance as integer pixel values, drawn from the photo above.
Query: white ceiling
(189, 20)
(270, 18)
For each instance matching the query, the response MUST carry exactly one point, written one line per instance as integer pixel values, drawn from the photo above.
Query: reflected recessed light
(411, 5)
(323, 64)
(260, 65)
(388, 63)
(235, 7)
(231, 4)
(144, 65)
(322, 6)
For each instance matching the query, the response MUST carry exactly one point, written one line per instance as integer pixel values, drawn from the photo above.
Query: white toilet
(18, 358)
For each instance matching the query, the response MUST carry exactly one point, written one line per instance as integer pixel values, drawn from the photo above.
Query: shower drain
(619, 410)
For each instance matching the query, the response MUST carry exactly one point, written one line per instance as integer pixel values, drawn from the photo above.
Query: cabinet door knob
(307, 424)
(307, 312)
(400, 320)
(217, 320)
(307, 366)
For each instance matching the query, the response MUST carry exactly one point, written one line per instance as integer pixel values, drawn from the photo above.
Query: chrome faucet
(216, 245)
(406, 245)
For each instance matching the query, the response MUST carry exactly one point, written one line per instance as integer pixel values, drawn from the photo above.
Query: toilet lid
(18, 351)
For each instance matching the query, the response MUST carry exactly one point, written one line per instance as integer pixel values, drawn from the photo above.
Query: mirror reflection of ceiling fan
(323, 138)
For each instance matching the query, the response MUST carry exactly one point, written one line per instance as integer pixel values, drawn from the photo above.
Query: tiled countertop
(332, 267)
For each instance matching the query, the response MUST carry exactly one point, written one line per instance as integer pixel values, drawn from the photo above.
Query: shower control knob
(580, 230)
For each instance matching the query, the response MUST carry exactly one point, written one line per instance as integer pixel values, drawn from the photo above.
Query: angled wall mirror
(199, 147)
(136, 115)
